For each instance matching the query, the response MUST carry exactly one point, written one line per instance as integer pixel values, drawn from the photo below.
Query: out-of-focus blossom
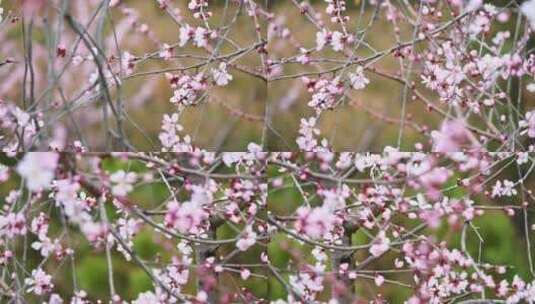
(38, 169)
(322, 38)
(147, 297)
(528, 9)
(453, 136)
(188, 217)
(358, 79)
(55, 299)
(379, 280)
(316, 223)
(221, 76)
(247, 240)
(166, 52)
(12, 224)
(4, 173)
(1, 12)
(380, 246)
(432, 181)
(40, 282)
(122, 182)
(528, 124)
(31, 7)
(186, 33)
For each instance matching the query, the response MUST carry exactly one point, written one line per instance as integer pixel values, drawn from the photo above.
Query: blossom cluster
(104, 72)
(132, 199)
(467, 64)
(345, 221)
(267, 64)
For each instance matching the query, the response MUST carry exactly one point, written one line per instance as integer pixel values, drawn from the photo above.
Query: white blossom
(358, 79)
(322, 38)
(528, 9)
(247, 240)
(185, 33)
(1, 12)
(380, 246)
(337, 41)
(147, 297)
(221, 76)
(122, 182)
(38, 169)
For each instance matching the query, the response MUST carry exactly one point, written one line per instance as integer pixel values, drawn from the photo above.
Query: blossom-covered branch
(283, 227)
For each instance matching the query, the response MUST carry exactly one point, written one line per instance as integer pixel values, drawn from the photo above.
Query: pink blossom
(122, 182)
(316, 223)
(147, 297)
(379, 280)
(38, 170)
(322, 38)
(40, 283)
(46, 246)
(433, 180)
(201, 36)
(96, 233)
(55, 299)
(39, 225)
(166, 52)
(4, 173)
(452, 137)
(187, 217)
(12, 224)
(358, 79)
(245, 273)
(308, 131)
(247, 240)
(221, 76)
(337, 41)
(529, 124)
(186, 33)
(380, 246)
(528, 9)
